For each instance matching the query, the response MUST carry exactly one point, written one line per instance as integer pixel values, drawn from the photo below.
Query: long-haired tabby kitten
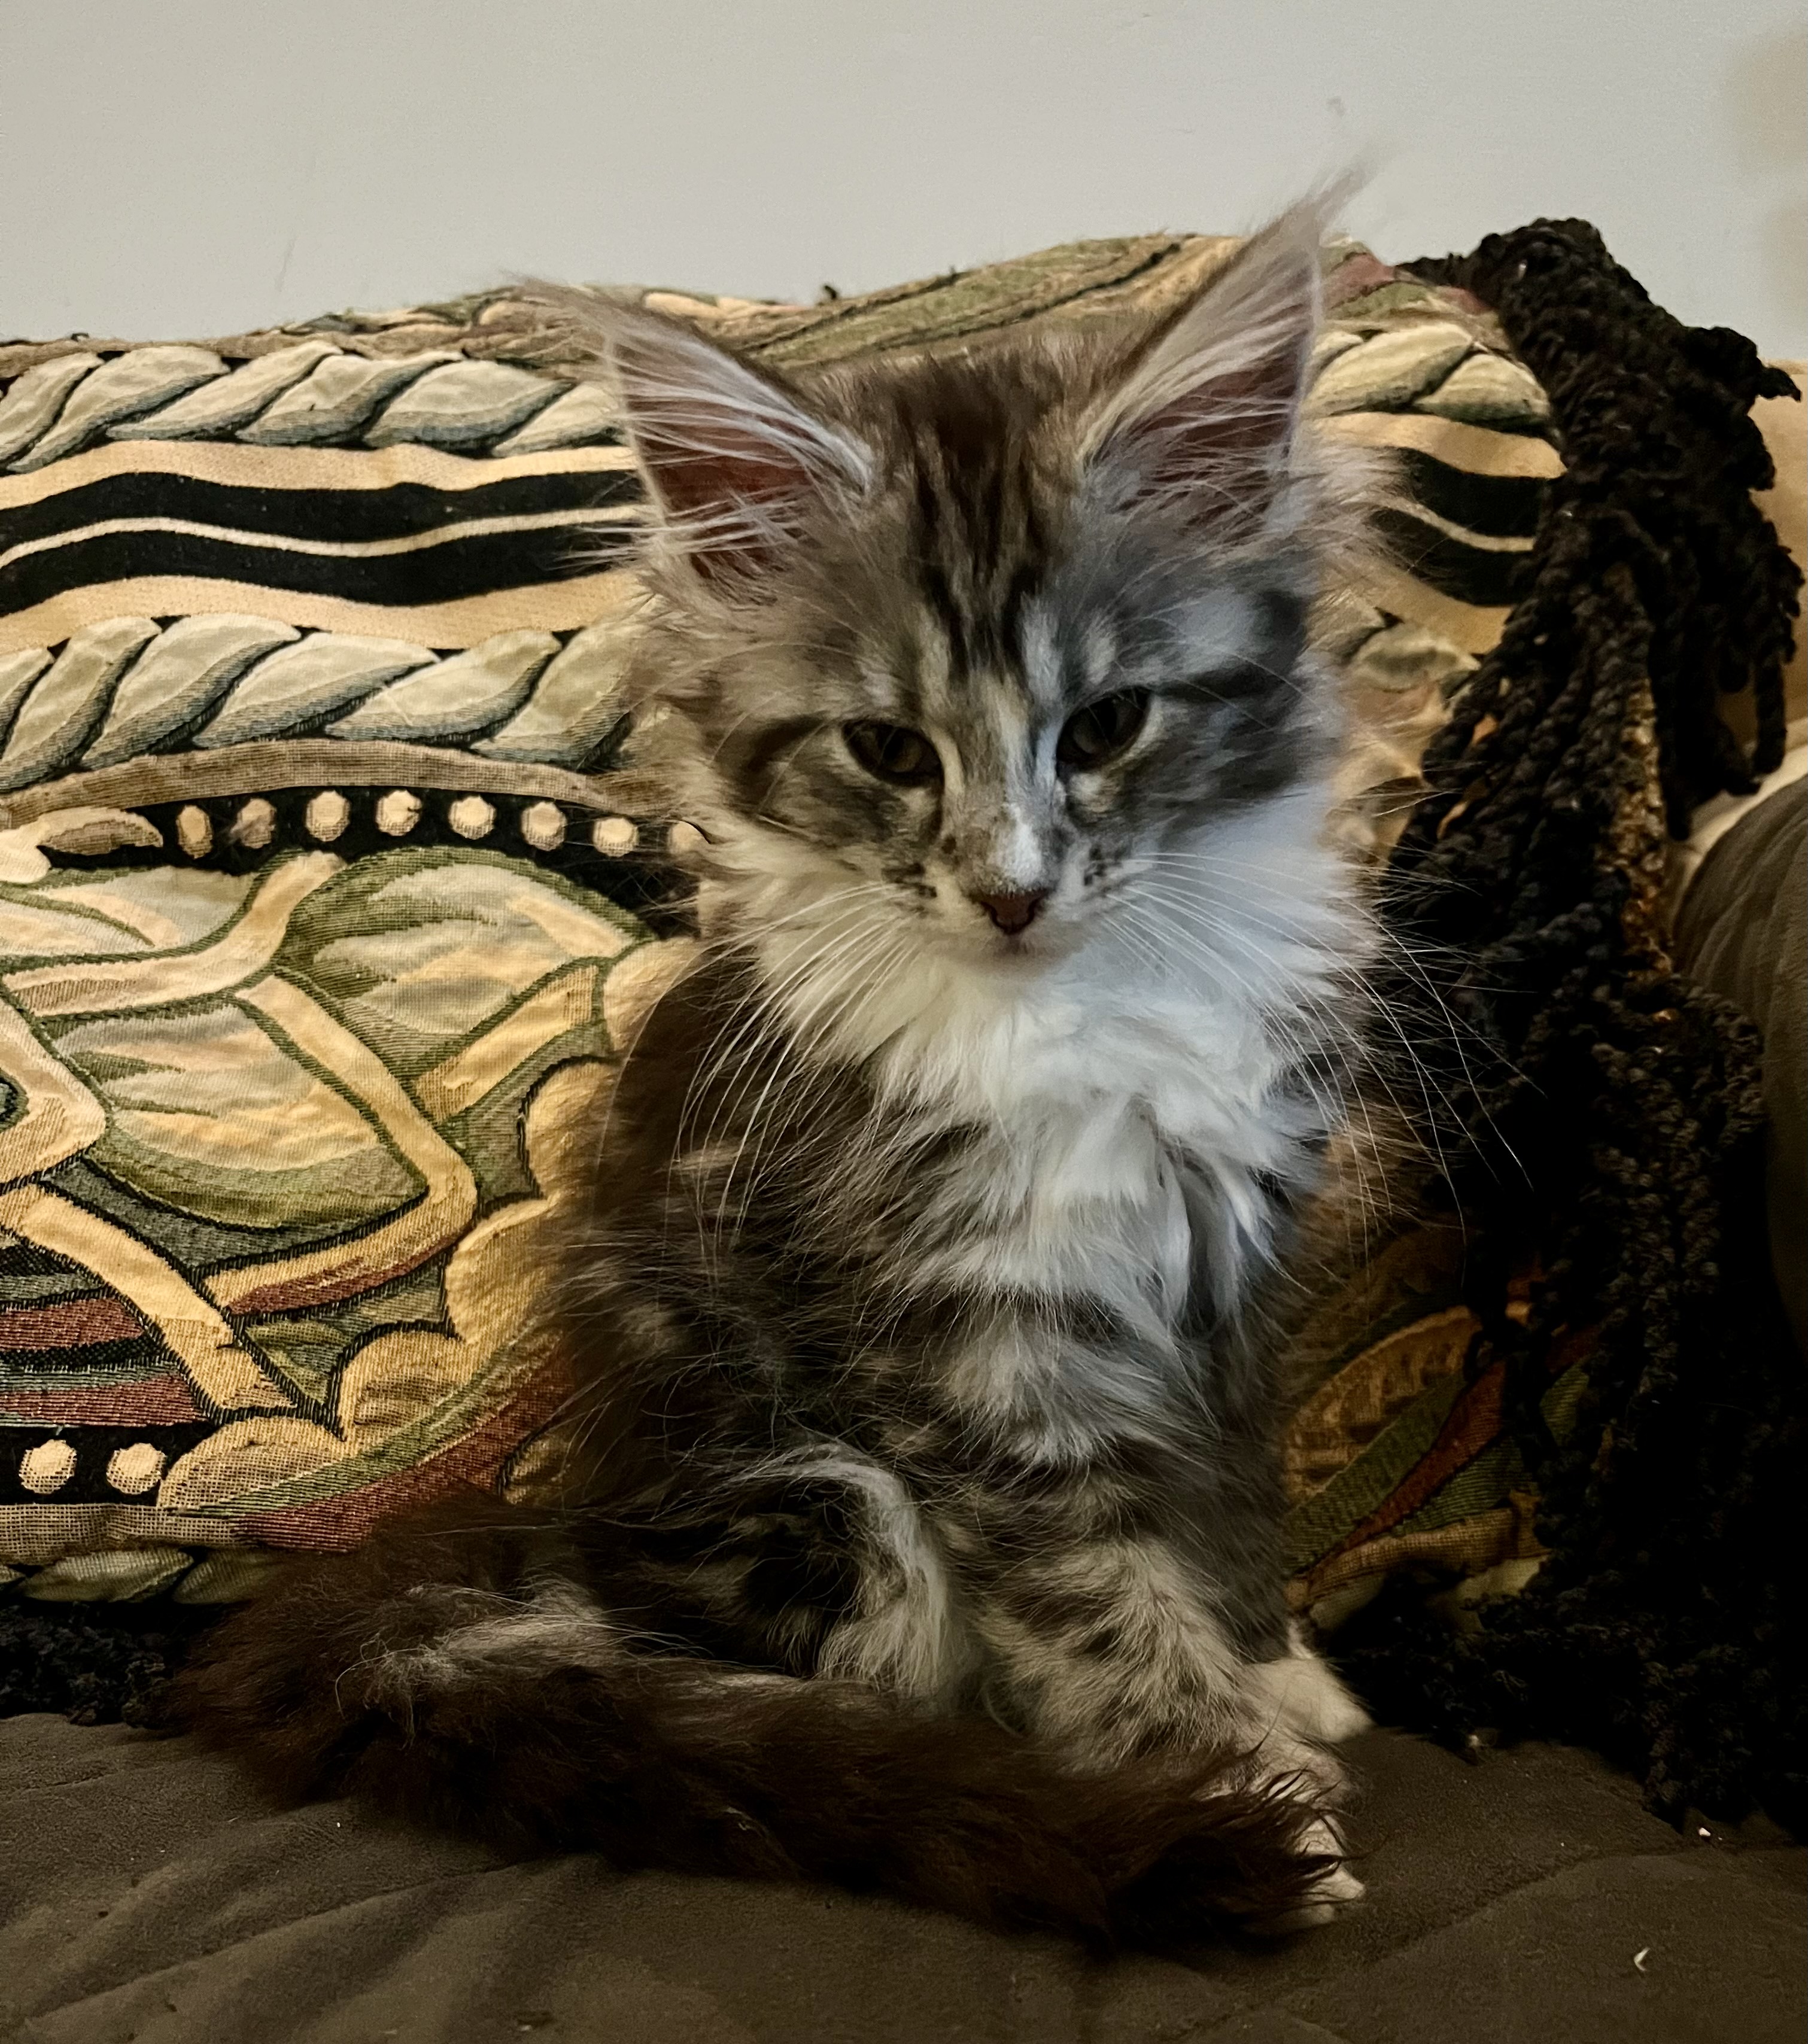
(931, 1320)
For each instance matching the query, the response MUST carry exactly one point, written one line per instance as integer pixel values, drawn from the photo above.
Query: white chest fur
(1118, 1161)
(1118, 1142)
(1123, 1111)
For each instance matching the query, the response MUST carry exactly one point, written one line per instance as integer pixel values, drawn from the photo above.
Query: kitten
(950, 1215)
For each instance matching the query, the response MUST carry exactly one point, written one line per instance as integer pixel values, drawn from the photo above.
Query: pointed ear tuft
(1202, 418)
(735, 458)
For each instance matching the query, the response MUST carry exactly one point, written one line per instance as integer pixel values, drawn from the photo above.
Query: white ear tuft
(734, 456)
(1202, 420)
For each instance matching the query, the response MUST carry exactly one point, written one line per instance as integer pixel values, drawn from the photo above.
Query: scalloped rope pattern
(120, 689)
(310, 394)
(315, 394)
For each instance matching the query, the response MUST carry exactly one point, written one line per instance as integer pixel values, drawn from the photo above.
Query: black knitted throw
(94, 1663)
(1601, 1142)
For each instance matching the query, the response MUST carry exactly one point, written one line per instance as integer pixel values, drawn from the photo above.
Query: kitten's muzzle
(1012, 913)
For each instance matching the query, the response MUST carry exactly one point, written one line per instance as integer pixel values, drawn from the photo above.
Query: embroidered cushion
(329, 894)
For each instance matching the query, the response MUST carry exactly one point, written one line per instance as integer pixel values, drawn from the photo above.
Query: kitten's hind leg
(813, 1560)
(462, 1671)
(905, 1629)
(1300, 1693)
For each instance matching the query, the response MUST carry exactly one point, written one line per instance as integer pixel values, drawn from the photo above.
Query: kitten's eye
(893, 752)
(1094, 734)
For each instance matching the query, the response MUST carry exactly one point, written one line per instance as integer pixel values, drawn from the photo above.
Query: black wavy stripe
(49, 1369)
(398, 512)
(1470, 575)
(1499, 507)
(440, 573)
(1491, 506)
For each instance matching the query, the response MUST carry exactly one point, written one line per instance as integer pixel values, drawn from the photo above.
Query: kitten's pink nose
(1013, 913)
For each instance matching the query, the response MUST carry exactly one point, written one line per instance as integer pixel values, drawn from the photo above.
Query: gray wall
(188, 167)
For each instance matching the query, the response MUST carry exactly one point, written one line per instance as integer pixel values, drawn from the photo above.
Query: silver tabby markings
(949, 1217)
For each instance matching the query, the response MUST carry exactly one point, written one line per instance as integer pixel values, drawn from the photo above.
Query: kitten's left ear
(1202, 418)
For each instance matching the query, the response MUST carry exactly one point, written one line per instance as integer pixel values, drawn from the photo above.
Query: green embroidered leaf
(122, 914)
(209, 1114)
(419, 952)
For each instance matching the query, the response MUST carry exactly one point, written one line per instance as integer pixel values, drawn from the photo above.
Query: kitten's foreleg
(1112, 1650)
(1109, 1650)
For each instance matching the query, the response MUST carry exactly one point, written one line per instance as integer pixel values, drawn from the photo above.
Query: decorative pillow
(328, 894)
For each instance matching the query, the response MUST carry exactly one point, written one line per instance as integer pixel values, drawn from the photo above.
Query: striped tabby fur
(923, 1533)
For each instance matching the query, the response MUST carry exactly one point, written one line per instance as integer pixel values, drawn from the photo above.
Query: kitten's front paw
(1301, 1775)
(1295, 1710)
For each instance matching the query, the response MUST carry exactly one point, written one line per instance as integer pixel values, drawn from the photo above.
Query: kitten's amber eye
(1095, 734)
(893, 752)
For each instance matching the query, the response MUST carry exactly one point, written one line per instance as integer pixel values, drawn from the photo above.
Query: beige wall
(186, 167)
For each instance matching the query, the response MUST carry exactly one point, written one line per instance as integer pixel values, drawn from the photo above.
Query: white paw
(1335, 1890)
(1299, 1695)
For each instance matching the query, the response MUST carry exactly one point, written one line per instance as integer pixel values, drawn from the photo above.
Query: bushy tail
(450, 1673)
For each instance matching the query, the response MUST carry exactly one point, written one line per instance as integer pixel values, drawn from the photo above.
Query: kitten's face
(992, 750)
(980, 658)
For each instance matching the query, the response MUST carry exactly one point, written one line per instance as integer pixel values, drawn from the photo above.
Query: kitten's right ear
(734, 456)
